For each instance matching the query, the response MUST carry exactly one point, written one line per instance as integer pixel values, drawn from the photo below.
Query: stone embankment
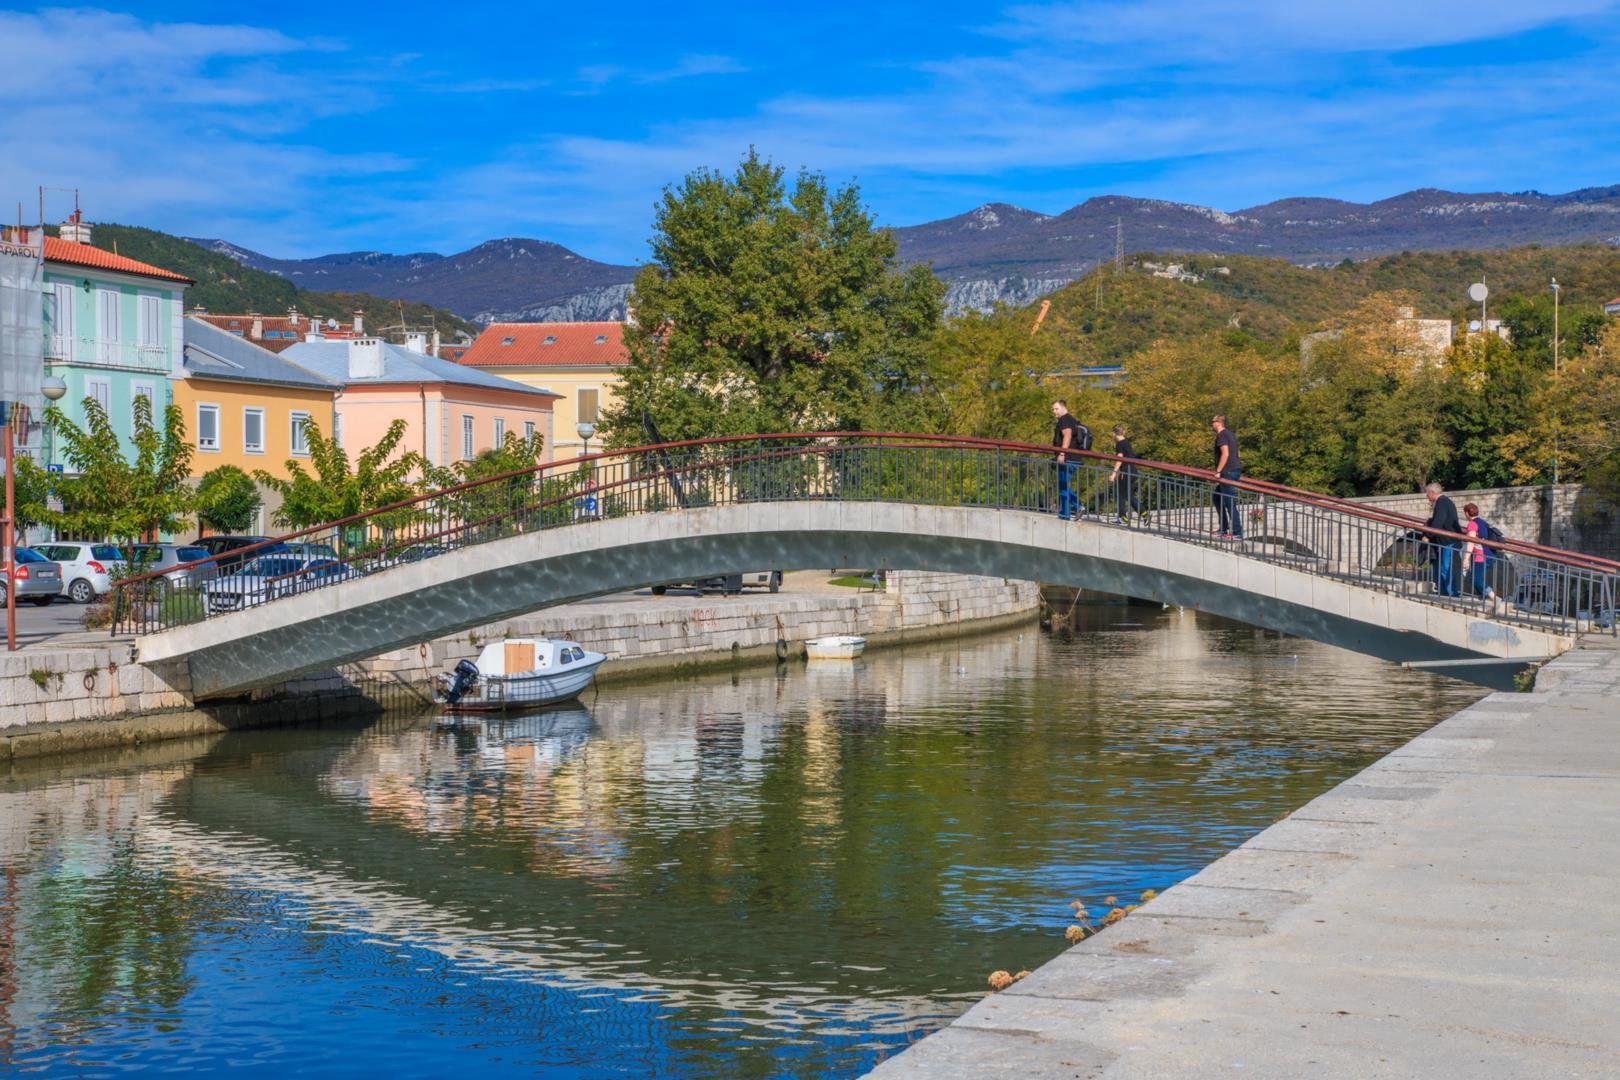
(1450, 911)
(80, 697)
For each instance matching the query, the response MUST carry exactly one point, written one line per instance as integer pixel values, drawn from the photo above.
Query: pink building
(452, 413)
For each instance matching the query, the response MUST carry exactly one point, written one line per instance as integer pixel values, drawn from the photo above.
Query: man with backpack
(1068, 434)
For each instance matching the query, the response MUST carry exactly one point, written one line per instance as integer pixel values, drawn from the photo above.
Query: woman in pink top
(1474, 556)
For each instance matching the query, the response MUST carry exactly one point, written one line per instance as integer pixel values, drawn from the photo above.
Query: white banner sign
(22, 307)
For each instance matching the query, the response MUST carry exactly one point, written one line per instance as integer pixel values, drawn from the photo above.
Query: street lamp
(586, 430)
(1555, 291)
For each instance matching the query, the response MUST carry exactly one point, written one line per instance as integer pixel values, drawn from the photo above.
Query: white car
(88, 570)
(270, 576)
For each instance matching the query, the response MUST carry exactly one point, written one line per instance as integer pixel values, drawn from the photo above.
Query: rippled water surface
(789, 872)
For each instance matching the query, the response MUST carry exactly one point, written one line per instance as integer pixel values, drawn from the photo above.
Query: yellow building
(581, 362)
(245, 406)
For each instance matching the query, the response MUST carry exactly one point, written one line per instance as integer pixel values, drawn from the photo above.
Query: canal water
(788, 872)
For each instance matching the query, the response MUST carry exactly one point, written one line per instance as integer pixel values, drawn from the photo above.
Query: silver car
(156, 558)
(269, 577)
(88, 570)
(35, 578)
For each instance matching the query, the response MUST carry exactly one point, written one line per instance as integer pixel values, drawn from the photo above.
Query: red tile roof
(276, 332)
(58, 250)
(581, 344)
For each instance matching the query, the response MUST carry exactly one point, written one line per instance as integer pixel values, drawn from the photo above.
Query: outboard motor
(466, 675)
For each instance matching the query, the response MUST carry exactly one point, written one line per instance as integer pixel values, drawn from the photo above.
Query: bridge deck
(1449, 912)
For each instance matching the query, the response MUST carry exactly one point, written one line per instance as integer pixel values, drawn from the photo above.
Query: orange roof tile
(582, 344)
(66, 251)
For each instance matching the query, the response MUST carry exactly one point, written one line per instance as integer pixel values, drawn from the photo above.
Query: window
(551, 339)
(148, 321)
(587, 406)
(149, 392)
(507, 340)
(528, 431)
(101, 390)
(62, 320)
(207, 427)
(107, 325)
(500, 430)
(296, 436)
(601, 339)
(253, 431)
(466, 438)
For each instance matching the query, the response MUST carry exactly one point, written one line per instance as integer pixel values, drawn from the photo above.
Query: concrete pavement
(1451, 911)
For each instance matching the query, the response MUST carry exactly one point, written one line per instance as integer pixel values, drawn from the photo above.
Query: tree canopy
(766, 309)
(227, 499)
(115, 495)
(335, 489)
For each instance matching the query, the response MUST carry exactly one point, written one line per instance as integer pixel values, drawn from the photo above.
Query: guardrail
(1383, 550)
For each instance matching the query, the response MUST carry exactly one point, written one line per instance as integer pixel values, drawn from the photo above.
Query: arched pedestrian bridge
(466, 556)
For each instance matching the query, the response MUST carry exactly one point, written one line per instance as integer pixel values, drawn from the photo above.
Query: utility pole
(1119, 242)
(1557, 367)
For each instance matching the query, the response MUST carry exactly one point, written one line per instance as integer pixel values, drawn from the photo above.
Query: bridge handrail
(802, 444)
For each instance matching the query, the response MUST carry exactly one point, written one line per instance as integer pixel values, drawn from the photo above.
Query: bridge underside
(477, 585)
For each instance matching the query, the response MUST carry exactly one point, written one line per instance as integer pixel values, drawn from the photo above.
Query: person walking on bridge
(1443, 517)
(1068, 434)
(1124, 478)
(1228, 467)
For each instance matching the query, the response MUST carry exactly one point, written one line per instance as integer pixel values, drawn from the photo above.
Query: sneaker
(1123, 520)
(1142, 516)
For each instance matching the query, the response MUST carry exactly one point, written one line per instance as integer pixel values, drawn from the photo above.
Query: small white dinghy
(518, 673)
(837, 647)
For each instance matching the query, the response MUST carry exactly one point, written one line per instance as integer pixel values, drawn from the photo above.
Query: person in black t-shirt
(1066, 436)
(1228, 467)
(1443, 516)
(1124, 478)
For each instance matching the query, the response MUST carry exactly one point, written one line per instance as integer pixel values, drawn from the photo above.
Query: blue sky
(302, 128)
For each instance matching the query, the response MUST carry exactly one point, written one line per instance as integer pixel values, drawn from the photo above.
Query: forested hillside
(1110, 314)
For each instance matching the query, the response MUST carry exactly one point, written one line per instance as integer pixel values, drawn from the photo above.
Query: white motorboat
(518, 673)
(837, 647)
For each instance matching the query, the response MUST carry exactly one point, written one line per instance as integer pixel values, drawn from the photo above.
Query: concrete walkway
(1452, 911)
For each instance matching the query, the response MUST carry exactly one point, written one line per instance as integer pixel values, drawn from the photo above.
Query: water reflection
(782, 872)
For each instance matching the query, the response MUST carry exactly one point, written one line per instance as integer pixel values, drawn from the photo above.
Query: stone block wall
(1569, 516)
(79, 698)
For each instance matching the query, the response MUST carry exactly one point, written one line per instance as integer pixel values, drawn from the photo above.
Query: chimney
(359, 327)
(365, 358)
(416, 341)
(76, 229)
(292, 314)
(434, 351)
(257, 330)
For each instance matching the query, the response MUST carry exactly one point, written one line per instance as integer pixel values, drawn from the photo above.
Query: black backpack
(1082, 436)
(1491, 532)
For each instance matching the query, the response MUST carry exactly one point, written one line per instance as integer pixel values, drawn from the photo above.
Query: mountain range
(996, 253)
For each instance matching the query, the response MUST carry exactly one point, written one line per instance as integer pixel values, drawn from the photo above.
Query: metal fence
(1519, 582)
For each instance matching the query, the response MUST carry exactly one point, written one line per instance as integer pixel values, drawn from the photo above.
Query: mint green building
(113, 331)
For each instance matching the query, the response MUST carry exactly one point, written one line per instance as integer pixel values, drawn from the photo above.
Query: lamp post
(1556, 367)
(11, 429)
(586, 430)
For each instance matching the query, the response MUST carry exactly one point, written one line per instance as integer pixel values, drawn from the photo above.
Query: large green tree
(768, 309)
(117, 495)
(227, 499)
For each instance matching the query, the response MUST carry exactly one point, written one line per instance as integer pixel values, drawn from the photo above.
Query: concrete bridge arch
(482, 583)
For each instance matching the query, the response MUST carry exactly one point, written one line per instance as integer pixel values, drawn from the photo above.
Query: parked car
(305, 550)
(156, 558)
(226, 549)
(269, 577)
(35, 578)
(730, 584)
(88, 569)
